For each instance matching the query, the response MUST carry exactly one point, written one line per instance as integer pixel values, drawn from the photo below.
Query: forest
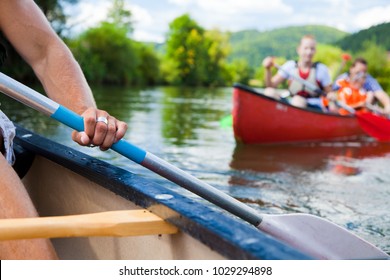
(194, 56)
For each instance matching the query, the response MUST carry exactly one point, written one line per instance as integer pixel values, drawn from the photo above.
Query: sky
(152, 17)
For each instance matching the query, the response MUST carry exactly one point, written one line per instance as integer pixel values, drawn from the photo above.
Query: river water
(347, 183)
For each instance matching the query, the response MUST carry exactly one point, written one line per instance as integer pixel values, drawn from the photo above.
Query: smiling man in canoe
(314, 73)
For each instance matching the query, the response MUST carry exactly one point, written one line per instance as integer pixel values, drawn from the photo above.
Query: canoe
(63, 181)
(264, 120)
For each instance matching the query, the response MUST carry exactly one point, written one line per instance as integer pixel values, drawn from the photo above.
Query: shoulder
(339, 80)
(372, 84)
(343, 76)
(322, 74)
(321, 67)
(290, 64)
(287, 67)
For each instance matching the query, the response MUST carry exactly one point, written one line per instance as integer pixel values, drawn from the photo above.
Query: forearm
(63, 79)
(268, 78)
(384, 99)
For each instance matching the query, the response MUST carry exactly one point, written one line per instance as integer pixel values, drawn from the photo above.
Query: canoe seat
(111, 223)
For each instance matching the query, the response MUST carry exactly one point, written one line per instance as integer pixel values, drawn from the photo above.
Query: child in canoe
(351, 92)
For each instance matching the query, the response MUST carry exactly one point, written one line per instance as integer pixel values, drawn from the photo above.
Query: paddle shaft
(112, 223)
(37, 101)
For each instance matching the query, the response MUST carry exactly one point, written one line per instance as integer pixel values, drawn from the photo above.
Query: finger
(120, 130)
(81, 138)
(101, 128)
(90, 116)
(110, 134)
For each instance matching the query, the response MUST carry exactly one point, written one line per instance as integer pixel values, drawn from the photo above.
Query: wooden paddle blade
(319, 238)
(374, 125)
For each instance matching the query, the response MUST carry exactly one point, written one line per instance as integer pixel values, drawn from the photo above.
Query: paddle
(312, 235)
(112, 223)
(345, 57)
(373, 124)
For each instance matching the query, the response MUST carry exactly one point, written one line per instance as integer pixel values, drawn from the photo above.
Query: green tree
(54, 12)
(240, 71)
(186, 53)
(107, 55)
(120, 16)
(331, 56)
(148, 69)
(194, 56)
(378, 62)
(218, 50)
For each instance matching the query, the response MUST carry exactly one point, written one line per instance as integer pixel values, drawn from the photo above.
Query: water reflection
(346, 183)
(337, 157)
(186, 111)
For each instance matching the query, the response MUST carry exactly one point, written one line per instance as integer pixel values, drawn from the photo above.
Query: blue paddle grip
(75, 121)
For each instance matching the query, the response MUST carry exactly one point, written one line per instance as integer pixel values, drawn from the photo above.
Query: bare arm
(29, 32)
(384, 99)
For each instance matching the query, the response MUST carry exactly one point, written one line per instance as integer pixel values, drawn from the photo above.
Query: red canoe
(260, 119)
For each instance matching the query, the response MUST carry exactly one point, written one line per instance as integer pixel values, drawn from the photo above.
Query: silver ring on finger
(102, 119)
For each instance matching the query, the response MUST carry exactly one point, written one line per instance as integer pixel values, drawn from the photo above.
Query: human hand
(100, 129)
(331, 96)
(268, 62)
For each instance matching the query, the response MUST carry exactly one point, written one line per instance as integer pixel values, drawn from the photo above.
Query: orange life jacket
(352, 96)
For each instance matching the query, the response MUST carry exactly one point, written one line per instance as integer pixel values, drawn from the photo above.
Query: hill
(253, 45)
(378, 34)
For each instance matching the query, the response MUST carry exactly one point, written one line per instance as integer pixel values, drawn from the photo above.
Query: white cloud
(230, 7)
(180, 2)
(87, 14)
(148, 26)
(373, 16)
(152, 18)
(232, 15)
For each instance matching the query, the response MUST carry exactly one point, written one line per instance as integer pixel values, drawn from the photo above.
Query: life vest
(295, 87)
(352, 96)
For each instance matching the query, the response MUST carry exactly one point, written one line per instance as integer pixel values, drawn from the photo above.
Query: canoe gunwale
(307, 109)
(227, 235)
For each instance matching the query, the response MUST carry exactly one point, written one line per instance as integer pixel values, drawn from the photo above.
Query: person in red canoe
(370, 85)
(313, 72)
(351, 91)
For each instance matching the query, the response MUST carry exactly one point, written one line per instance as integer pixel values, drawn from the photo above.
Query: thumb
(81, 138)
